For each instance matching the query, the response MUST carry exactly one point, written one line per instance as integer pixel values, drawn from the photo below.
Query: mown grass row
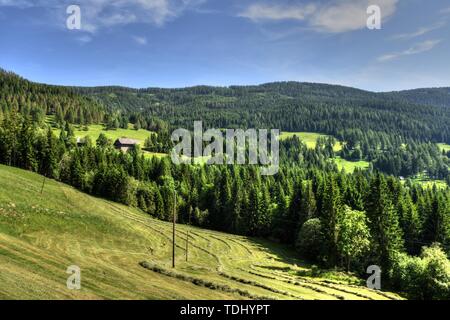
(201, 282)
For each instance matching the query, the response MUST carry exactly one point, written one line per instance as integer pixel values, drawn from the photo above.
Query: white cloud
(416, 49)
(257, 12)
(334, 17)
(97, 14)
(349, 15)
(140, 40)
(420, 32)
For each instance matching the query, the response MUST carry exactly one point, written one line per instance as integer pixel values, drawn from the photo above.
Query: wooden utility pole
(187, 237)
(187, 245)
(174, 229)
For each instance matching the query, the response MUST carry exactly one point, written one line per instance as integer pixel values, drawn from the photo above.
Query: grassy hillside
(309, 138)
(444, 147)
(350, 166)
(96, 129)
(124, 254)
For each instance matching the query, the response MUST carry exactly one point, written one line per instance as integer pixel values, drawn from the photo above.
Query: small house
(81, 142)
(125, 144)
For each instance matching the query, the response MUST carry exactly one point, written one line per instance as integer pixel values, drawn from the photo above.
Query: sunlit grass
(350, 166)
(444, 147)
(42, 234)
(309, 138)
(95, 130)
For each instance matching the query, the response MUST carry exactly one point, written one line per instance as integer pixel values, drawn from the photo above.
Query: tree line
(39, 100)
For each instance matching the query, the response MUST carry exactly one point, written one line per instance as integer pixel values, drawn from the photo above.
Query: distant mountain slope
(41, 235)
(422, 114)
(38, 100)
(289, 106)
(430, 96)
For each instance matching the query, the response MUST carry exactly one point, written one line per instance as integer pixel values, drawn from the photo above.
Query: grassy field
(444, 147)
(124, 254)
(149, 154)
(350, 166)
(309, 138)
(427, 183)
(95, 130)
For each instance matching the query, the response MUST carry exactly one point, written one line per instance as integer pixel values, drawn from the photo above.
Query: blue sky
(177, 43)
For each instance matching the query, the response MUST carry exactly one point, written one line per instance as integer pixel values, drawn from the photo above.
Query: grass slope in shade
(124, 254)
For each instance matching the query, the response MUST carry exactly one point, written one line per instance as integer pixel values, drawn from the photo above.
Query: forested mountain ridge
(38, 100)
(289, 106)
(428, 96)
(420, 114)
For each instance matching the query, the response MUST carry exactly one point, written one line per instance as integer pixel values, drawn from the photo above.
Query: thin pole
(43, 184)
(174, 222)
(187, 236)
(187, 245)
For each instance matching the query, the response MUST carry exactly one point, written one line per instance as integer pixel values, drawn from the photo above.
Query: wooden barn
(125, 144)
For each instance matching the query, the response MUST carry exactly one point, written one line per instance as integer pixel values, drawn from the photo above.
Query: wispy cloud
(140, 40)
(97, 14)
(333, 17)
(16, 3)
(445, 11)
(84, 39)
(416, 49)
(259, 12)
(420, 32)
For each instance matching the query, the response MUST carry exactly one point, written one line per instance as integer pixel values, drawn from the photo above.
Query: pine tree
(384, 223)
(26, 143)
(330, 215)
(49, 157)
(308, 205)
(410, 224)
(437, 224)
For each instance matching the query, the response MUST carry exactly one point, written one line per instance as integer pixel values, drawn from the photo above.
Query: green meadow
(95, 130)
(350, 166)
(125, 254)
(443, 146)
(309, 138)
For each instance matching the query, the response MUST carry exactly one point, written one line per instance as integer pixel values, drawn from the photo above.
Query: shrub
(423, 278)
(310, 240)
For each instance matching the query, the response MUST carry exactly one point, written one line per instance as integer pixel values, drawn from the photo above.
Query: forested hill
(421, 115)
(430, 96)
(38, 100)
(289, 106)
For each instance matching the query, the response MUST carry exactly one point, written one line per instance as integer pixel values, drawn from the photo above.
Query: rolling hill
(427, 96)
(124, 254)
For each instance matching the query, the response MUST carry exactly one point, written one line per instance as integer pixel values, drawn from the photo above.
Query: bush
(423, 278)
(310, 240)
